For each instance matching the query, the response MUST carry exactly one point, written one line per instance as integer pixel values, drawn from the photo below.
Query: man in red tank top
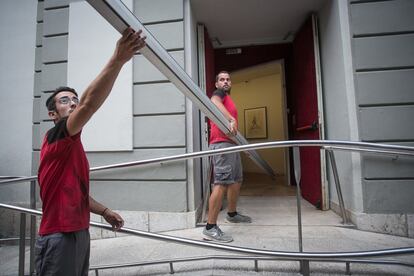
(63, 245)
(228, 172)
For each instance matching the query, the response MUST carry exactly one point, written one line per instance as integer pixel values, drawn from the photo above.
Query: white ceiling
(251, 22)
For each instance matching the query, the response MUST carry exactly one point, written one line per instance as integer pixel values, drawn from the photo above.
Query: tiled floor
(257, 184)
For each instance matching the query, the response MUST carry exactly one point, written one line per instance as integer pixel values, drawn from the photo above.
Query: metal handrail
(286, 255)
(238, 257)
(331, 144)
(303, 257)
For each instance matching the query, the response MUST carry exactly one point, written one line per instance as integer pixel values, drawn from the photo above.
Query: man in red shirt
(63, 245)
(228, 173)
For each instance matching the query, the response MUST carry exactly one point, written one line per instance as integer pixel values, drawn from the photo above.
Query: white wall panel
(53, 76)
(56, 3)
(39, 34)
(159, 131)
(387, 123)
(384, 51)
(40, 6)
(141, 195)
(144, 71)
(158, 98)
(169, 35)
(36, 110)
(55, 49)
(382, 17)
(38, 59)
(36, 143)
(388, 166)
(385, 87)
(37, 84)
(389, 196)
(91, 43)
(17, 63)
(158, 10)
(166, 171)
(55, 21)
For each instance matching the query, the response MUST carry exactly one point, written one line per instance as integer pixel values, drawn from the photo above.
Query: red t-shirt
(64, 182)
(216, 135)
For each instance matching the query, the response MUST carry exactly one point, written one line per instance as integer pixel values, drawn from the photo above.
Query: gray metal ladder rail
(277, 255)
(120, 17)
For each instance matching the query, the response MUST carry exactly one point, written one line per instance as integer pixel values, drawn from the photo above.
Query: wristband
(103, 213)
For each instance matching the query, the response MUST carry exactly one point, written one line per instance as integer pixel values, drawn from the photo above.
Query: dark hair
(51, 103)
(221, 72)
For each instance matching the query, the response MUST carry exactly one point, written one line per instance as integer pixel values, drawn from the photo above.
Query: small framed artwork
(255, 123)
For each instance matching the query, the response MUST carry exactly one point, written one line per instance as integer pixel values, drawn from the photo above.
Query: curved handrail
(341, 145)
(279, 254)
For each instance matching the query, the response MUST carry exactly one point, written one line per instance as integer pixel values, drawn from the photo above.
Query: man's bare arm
(110, 216)
(97, 92)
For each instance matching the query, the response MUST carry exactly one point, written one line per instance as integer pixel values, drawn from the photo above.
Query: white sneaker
(215, 234)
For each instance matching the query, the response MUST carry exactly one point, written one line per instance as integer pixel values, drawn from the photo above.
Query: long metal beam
(120, 17)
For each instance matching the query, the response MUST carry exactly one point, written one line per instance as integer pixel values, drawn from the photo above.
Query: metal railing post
(22, 243)
(206, 190)
(337, 185)
(32, 226)
(304, 265)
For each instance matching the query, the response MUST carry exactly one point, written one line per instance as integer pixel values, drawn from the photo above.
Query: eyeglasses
(67, 100)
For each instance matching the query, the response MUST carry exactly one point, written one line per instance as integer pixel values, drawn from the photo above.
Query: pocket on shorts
(222, 173)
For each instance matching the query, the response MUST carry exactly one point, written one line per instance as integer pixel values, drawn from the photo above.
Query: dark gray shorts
(63, 254)
(227, 167)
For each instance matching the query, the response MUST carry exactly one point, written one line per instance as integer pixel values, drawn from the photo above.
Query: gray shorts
(227, 167)
(63, 254)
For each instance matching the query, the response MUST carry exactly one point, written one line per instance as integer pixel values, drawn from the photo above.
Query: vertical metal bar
(96, 272)
(256, 265)
(206, 189)
(22, 243)
(337, 185)
(348, 268)
(32, 226)
(171, 268)
(298, 203)
(304, 265)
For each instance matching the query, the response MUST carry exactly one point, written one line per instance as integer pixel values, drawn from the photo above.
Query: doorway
(259, 90)
(299, 70)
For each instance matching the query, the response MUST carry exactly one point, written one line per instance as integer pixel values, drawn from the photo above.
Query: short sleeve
(220, 93)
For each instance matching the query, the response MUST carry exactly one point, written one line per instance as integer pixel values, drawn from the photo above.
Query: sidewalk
(274, 227)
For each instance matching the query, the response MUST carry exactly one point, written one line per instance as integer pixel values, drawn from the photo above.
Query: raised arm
(97, 92)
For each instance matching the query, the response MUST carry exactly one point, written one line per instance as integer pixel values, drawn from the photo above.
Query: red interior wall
(250, 56)
(255, 55)
(210, 64)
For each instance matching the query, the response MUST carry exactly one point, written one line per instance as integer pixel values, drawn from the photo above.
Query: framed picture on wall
(255, 123)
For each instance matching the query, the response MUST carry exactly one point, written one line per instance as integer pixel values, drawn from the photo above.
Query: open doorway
(303, 98)
(259, 93)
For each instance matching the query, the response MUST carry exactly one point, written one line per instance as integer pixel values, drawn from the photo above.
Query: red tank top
(216, 135)
(64, 182)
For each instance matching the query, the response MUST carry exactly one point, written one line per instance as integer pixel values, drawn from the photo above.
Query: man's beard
(226, 89)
